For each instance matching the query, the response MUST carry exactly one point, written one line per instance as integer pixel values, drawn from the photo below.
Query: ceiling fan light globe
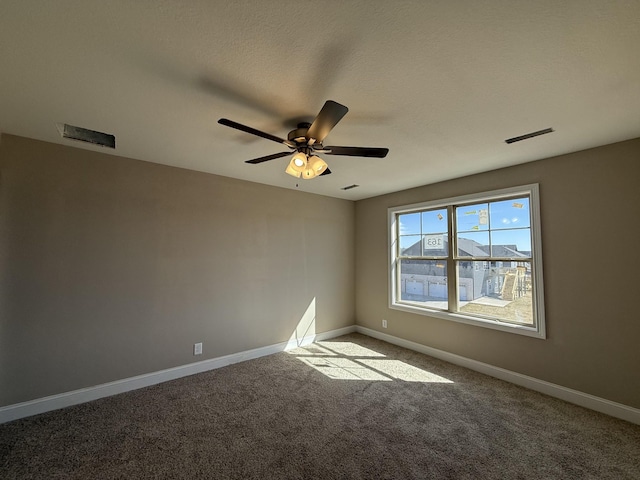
(308, 174)
(291, 171)
(317, 164)
(298, 162)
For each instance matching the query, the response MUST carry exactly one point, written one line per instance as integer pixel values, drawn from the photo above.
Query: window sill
(530, 331)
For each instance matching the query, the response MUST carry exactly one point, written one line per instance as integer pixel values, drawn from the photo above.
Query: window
(475, 259)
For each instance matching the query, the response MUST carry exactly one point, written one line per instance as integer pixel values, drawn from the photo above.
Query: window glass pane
(494, 234)
(435, 227)
(511, 243)
(503, 291)
(435, 245)
(472, 218)
(410, 245)
(473, 244)
(409, 224)
(424, 282)
(510, 213)
(435, 221)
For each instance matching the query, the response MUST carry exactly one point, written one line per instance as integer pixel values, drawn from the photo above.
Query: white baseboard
(67, 399)
(586, 400)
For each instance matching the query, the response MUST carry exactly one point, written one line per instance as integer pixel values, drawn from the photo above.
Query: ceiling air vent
(528, 135)
(88, 136)
(349, 187)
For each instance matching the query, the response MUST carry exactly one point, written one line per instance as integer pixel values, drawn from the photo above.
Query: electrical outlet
(384, 323)
(197, 348)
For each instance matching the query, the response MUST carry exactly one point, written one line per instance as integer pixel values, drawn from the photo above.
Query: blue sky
(507, 221)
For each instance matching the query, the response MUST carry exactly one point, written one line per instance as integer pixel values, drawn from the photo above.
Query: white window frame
(532, 191)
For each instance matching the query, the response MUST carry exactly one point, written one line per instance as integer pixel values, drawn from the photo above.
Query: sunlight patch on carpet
(344, 349)
(350, 361)
(344, 369)
(403, 371)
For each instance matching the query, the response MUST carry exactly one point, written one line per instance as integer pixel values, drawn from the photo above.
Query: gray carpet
(351, 408)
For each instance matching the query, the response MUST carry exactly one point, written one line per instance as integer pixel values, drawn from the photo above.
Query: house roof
(441, 84)
(471, 248)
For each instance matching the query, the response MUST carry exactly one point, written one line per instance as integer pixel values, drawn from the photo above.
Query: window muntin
(503, 293)
(500, 228)
(492, 278)
(423, 234)
(424, 283)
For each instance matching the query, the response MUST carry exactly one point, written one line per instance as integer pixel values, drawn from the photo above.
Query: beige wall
(112, 267)
(590, 209)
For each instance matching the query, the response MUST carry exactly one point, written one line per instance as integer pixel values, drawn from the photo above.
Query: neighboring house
(506, 280)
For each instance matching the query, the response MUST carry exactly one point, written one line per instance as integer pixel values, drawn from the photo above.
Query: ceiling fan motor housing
(299, 135)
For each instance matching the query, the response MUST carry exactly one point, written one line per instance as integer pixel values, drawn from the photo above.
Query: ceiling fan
(306, 140)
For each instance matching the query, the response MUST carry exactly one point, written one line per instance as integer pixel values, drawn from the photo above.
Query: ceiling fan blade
(253, 131)
(268, 157)
(331, 113)
(358, 151)
(326, 172)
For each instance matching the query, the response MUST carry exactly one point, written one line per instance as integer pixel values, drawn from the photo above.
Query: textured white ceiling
(442, 84)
